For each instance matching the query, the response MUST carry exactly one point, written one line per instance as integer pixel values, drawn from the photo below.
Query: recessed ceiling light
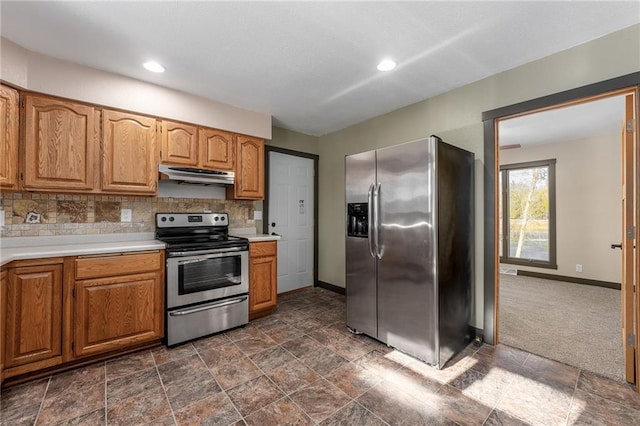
(386, 65)
(153, 66)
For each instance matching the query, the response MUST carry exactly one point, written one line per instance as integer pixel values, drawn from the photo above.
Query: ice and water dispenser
(357, 220)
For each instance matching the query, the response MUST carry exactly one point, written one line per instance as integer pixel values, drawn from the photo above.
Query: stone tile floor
(301, 366)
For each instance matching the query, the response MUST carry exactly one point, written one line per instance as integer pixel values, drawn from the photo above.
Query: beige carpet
(577, 324)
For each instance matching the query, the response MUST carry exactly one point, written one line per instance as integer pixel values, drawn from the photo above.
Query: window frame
(537, 263)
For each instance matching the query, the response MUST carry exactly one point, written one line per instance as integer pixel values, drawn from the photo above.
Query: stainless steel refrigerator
(409, 247)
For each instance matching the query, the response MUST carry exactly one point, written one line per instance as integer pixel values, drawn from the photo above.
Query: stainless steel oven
(207, 275)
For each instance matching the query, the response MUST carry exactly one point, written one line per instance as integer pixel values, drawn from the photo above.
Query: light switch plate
(257, 215)
(1, 217)
(125, 215)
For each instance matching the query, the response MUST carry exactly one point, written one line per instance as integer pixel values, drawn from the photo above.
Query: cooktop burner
(196, 231)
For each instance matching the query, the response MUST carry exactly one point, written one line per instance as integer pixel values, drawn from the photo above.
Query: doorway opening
(559, 213)
(291, 211)
(626, 85)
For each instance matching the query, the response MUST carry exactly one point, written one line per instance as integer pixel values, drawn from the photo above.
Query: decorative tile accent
(30, 211)
(68, 211)
(107, 211)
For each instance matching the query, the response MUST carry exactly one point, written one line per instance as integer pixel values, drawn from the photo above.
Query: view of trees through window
(527, 198)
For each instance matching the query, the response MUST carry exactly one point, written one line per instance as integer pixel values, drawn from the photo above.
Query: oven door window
(209, 274)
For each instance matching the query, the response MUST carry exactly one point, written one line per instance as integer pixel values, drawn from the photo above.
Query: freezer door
(407, 301)
(361, 290)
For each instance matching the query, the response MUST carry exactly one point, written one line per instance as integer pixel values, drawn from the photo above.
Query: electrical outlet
(125, 215)
(578, 267)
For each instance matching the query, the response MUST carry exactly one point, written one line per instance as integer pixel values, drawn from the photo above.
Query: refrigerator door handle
(370, 220)
(376, 218)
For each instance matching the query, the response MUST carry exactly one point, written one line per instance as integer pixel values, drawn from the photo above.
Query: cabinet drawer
(106, 266)
(265, 248)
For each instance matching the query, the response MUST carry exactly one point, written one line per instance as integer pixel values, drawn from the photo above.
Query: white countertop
(250, 234)
(261, 237)
(21, 248)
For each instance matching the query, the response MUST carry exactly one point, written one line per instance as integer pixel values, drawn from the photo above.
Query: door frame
(491, 164)
(265, 206)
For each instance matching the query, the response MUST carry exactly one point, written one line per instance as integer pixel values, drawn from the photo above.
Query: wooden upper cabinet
(216, 149)
(8, 138)
(179, 144)
(60, 145)
(249, 169)
(130, 153)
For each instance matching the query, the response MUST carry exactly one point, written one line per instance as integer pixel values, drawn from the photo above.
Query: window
(528, 214)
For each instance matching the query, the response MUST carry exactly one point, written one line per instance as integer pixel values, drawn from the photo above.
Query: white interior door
(291, 216)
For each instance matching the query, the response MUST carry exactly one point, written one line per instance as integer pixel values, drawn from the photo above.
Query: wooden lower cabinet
(115, 312)
(118, 302)
(34, 317)
(3, 303)
(62, 310)
(263, 278)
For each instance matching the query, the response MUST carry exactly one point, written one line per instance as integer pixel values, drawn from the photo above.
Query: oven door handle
(208, 307)
(186, 262)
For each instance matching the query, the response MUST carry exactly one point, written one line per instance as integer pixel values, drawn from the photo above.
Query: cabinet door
(130, 153)
(8, 138)
(3, 303)
(60, 145)
(263, 283)
(34, 316)
(179, 144)
(112, 313)
(249, 177)
(217, 149)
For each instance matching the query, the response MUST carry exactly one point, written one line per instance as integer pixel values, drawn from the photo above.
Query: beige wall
(456, 116)
(45, 74)
(588, 209)
(295, 141)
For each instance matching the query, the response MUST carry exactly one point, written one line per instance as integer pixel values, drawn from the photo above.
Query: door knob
(273, 224)
(615, 246)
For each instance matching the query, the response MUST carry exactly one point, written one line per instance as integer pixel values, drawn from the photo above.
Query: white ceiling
(312, 65)
(603, 116)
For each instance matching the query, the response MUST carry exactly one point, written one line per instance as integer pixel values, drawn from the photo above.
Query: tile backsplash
(29, 214)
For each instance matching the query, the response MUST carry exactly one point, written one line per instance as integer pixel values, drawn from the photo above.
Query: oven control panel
(179, 220)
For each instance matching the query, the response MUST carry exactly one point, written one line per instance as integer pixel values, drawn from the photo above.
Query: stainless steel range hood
(197, 176)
